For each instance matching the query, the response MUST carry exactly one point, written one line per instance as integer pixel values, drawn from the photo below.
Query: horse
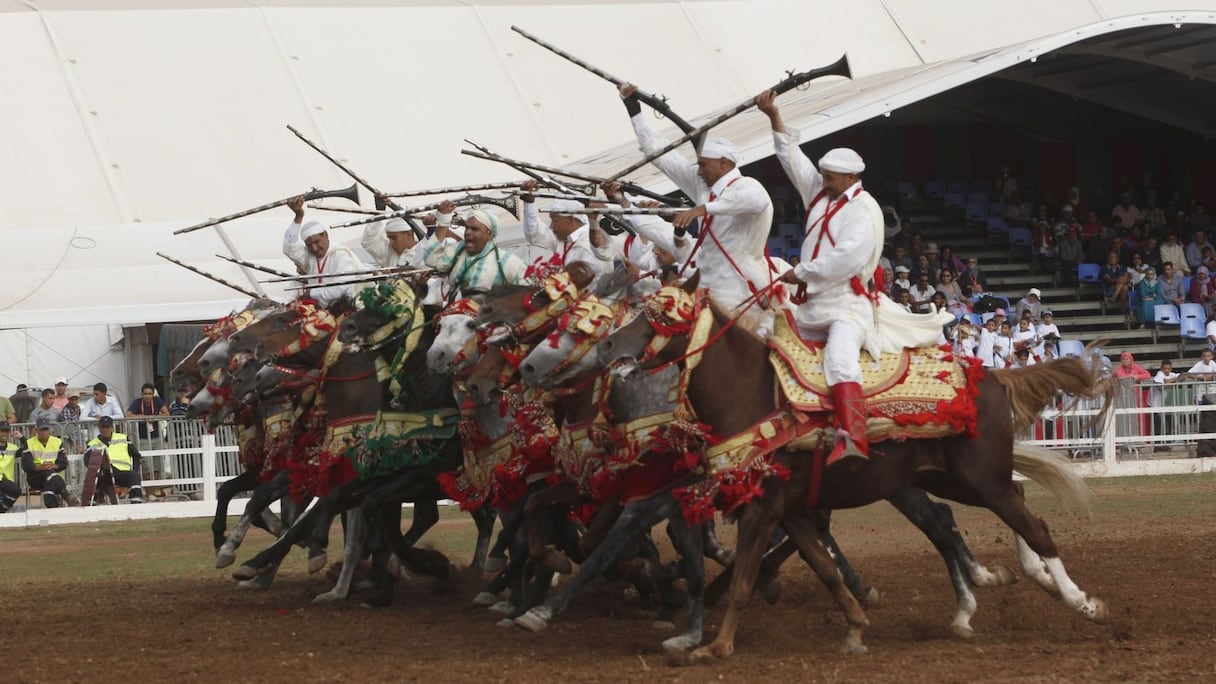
(974, 470)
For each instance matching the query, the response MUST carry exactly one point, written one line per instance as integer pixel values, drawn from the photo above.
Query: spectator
(125, 459)
(1030, 303)
(1203, 290)
(148, 405)
(1199, 219)
(1203, 371)
(901, 279)
(1173, 252)
(1073, 203)
(1097, 247)
(1115, 282)
(1181, 224)
(7, 413)
(1210, 331)
(24, 402)
(947, 261)
(793, 260)
(1194, 251)
(1049, 350)
(1070, 252)
(956, 303)
(1020, 359)
(1150, 253)
(71, 411)
(1017, 212)
(44, 459)
(901, 259)
(1149, 294)
(1025, 337)
(1005, 187)
(1172, 285)
(1125, 213)
(1002, 350)
(1136, 271)
(46, 409)
(1156, 397)
(931, 260)
(922, 295)
(1128, 368)
(905, 300)
(100, 404)
(965, 338)
(180, 404)
(61, 393)
(1047, 329)
(972, 280)
(1091, 227)
(986, 342)
(1044, 254)
(9, 455)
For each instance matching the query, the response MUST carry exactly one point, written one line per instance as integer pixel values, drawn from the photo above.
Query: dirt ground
(1149, 552)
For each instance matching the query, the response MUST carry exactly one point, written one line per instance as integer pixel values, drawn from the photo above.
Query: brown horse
(975, 471)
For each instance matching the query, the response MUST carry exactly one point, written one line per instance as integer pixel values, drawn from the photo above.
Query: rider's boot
(851, 444)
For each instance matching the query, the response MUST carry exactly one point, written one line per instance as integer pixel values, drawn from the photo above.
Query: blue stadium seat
(955, 200)
(1089, 273)
(1166, 314)
(975, 319)
(977, 213)
(958, 186)
(997, 224)
(1192, 324)
(1186, 285)
(1020, 238)
(906, 189)
(978, 198)
(935, 188)
(981, 185)
(1073, 348)
(996, 208)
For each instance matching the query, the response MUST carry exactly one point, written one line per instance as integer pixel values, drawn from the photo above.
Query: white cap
(563, 207)
(719, 148)
(61, 380)
(310, 229)
(1034, 291)
(902, 269)
(842, 160)
(396, 225)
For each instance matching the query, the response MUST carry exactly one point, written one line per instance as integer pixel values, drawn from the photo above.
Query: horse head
(458, 341)
(187, 374)
(524, 313)
(566, 353)
(660, 334)
(386, 313)
(489, 376)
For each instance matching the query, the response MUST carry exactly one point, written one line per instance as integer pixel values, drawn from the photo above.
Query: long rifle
(343, 210)
(256, 267)
(508, 203)
(506, 185)
(381, 203)
(592, 181)
(351, 193)
(337, 278)
(656, 102)
(221, 281)
(838, 68)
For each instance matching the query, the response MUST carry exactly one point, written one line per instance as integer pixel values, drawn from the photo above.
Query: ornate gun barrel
(351, 193)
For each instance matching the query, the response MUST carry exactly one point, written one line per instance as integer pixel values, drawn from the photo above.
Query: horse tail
(1033, 388)
(1055, 473)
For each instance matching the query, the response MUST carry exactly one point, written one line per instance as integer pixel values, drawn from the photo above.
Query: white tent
(127, 119)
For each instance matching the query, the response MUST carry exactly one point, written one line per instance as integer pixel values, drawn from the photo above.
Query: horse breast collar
(562, 294)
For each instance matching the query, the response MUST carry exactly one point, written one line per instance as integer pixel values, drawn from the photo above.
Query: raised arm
(293, 246)
(802, 173)
(680, 169)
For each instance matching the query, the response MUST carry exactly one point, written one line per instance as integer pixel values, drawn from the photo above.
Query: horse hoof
(495, 564)
(253, 585)
(505, 622)
(317, 563)
(535, 620)
(664, 625)
(772, 592)
(725, 558)
(502, 607)
(327, 597)
(485, 598)
(851, 648)
(679, 644)
(224, 558)
(556, 561)
(710, 653)
(1097, 611)
(244, 572)
(1004, 576)
(393, 565)
(872, 598)
(962, 631)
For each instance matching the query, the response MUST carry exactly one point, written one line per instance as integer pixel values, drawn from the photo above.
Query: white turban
(486, 219)
(720, 148)
(310, 229)
(396, 225)
(842, 160)
(563, 207)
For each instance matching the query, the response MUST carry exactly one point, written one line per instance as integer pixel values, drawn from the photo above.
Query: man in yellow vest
(124, 458)
(9, 489)
(43, 459)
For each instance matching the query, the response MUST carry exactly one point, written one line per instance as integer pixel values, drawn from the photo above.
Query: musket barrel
(351, 193)
(221, 281)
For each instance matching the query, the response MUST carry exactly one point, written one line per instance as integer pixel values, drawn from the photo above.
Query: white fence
(1154, 430)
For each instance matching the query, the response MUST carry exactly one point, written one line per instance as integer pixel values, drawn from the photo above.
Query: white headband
(842, 160)
(310, 229)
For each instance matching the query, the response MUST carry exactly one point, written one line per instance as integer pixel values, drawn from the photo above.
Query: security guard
(43, 459)
(9, 489)
(124, 458)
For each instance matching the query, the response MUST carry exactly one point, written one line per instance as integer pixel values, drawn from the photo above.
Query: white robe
(375, 241)
(742, 215)
(577, 247)
(339, 260)
(857, 229)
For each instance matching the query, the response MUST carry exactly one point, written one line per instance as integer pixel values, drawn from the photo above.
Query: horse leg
(600, 525)
(277, 551)
(564, 492)
(863, 593)
(713, 548)
(352, 548)
(245, 481)
(766, 580)
(803, 530)
(756, 525)
(689, 541)
(490, 594)
(263, 495)
(635, 519)
(387, 516)
(483, 518)
(270, 522)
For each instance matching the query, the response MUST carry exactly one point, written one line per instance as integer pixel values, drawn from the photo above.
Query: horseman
(473, 264)
(309, 248)
(736, 211)
(391, 243)
(569, 238)
(840, 304)
(651, 251)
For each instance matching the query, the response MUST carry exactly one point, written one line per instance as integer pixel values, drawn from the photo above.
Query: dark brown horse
(975, 471)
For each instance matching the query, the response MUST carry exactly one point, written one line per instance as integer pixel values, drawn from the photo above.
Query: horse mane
(505, 290)
(1032, 388)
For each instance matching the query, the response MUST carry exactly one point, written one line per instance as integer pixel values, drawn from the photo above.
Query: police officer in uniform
(9, 451)
(43, 459)
(124, 458)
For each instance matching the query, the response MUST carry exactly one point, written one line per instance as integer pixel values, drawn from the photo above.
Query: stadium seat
(1166, 314)
(977, 213)
(1073, 348)
(1020, 238)
(1192, 322)
(982, 185)
(997, 224)
(958, 186)
(1089, 273)
(996, 208)
(935, 188)
(906, 190)
(1186, 284)
(975, 319)
(791, 233)
(955, 200)
(978, 198)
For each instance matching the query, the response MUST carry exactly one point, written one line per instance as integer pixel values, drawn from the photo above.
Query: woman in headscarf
(1148, 295)
(1203, 290)
(1128, 368)
(474, 264)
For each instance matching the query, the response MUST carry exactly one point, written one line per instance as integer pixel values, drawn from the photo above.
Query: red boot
(851, 442)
